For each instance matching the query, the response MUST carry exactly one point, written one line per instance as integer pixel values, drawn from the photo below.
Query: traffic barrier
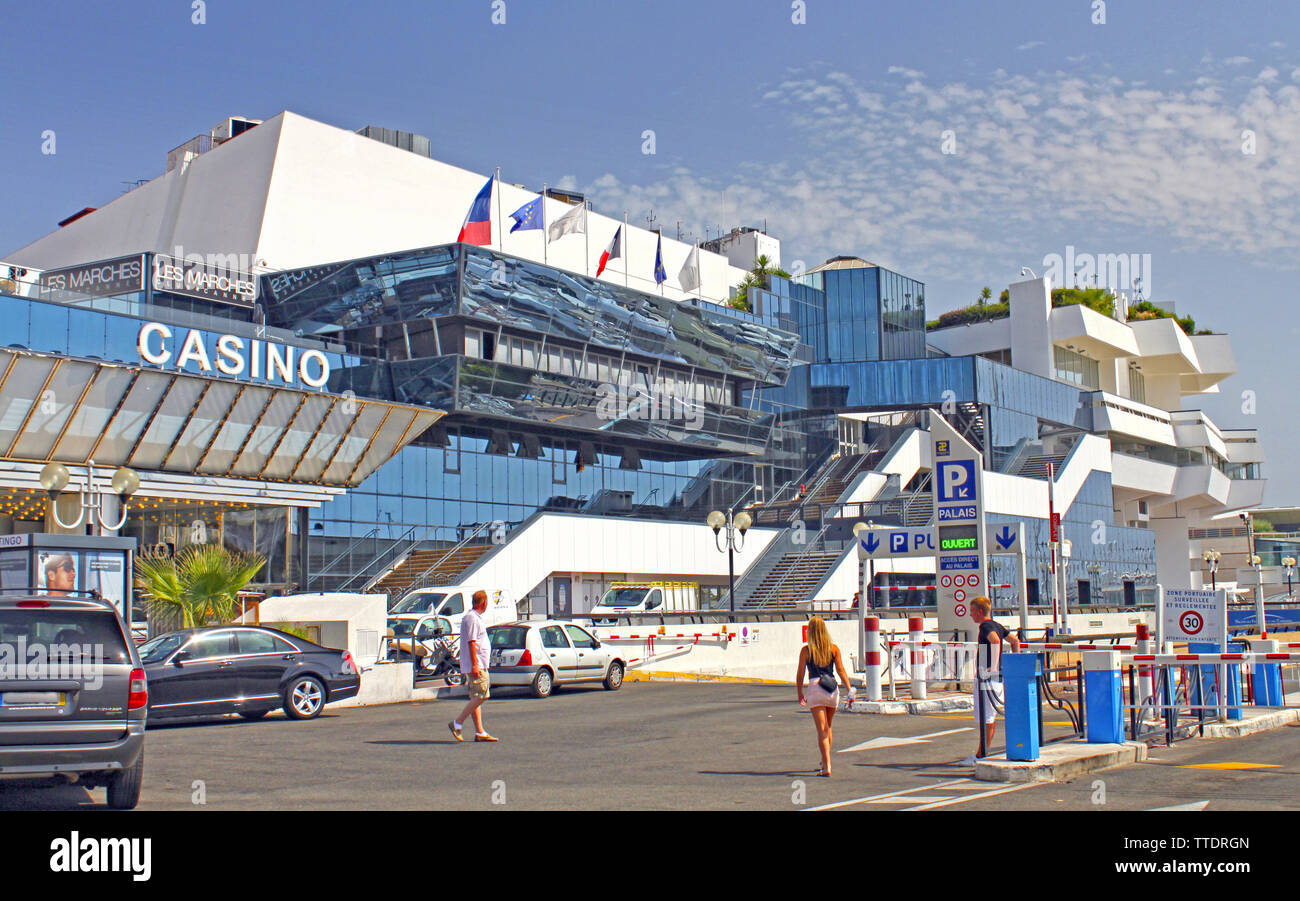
(1020, 676)
(873, 658)
(1103, 697)
(1266, 678)
(915, 626)
(1146, 674)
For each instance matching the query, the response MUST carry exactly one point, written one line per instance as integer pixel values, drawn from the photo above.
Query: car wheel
(253, 714)
(124, 787)
(304, 699)
(543, 683)
(614, 678)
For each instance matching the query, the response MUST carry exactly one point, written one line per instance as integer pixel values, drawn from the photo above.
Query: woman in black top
(819, 660)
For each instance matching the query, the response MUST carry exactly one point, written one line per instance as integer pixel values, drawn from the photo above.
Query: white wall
(296, 192)
(560, 543)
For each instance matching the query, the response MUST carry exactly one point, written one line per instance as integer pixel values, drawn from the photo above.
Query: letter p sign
(957, 480)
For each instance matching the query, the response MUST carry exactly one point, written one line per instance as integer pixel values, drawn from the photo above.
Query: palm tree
(757, 278)
(985, 295)
(199, 586)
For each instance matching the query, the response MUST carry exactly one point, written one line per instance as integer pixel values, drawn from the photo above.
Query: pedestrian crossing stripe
(1229, 765)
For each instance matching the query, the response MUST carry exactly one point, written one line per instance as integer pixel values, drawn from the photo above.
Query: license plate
(34, 699)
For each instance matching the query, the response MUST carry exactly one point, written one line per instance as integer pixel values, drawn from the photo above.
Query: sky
(954, 142)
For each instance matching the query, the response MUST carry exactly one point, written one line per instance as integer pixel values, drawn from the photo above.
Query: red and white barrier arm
(1210, 659)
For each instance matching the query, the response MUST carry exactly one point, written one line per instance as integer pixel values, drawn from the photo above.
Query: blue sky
(1122, 137)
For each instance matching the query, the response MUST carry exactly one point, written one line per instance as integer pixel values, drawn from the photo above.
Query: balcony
(1115, 414)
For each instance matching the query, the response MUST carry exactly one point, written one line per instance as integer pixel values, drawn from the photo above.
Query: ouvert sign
(234, 356)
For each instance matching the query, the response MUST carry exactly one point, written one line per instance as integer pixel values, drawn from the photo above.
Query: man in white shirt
(474, 653)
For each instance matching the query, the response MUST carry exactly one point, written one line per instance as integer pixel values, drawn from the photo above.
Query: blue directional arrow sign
(895, 543)
(1001, 538)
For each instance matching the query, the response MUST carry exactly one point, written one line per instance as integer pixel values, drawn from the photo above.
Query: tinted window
(159, 649)
(553, 637)
(215, 644)
(508, 638)
(41, 632)
(454, 605)
(261, 643)
(428, 627)
(581, 638)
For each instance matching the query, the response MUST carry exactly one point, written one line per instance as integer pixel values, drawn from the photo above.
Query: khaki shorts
(478, 688)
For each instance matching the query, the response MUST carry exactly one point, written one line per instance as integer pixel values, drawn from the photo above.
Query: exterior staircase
(428, 566)
(794, 578)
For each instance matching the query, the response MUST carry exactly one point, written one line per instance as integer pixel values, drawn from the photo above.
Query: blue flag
(661, 275)
(527, 216)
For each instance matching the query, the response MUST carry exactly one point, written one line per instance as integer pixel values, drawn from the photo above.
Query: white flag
(574, 222)
(689, 277)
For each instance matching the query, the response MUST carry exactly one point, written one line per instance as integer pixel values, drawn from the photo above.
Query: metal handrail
(329, 567)
(826, 523)
(458, 546)
(380, 559)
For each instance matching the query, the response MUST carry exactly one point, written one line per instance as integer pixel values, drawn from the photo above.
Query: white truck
(646, 597)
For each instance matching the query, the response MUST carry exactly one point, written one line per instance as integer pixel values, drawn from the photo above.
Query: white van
(451, 601)
(646, 597)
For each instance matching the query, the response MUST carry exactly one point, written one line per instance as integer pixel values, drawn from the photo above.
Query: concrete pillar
(873, 658)
(916, 635)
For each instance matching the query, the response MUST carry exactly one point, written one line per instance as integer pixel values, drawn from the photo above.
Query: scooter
(441, 659)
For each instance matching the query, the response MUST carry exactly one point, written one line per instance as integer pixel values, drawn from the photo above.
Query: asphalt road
(649, 746)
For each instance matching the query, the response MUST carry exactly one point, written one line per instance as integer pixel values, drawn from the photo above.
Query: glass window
(553, 637)
(455, 605)
(250, 642)
(211, 644)
(581, 638)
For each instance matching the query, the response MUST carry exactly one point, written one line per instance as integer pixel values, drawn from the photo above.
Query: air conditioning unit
(232, 128)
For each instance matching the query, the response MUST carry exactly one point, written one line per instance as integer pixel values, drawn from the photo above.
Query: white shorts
(990, 700)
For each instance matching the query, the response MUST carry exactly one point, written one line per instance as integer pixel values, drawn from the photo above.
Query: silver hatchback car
(73, 696)
(544, 654)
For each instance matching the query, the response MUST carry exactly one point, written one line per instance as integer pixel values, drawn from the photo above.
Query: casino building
(283, 337)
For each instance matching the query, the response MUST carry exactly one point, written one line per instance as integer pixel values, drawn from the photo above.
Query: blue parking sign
(956, 480)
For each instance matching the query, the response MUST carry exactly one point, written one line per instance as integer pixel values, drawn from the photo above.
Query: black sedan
(246, 670)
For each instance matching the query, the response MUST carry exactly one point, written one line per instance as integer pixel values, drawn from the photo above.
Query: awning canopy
(73, 410)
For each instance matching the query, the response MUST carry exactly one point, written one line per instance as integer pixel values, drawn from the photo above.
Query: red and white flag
(613, 251)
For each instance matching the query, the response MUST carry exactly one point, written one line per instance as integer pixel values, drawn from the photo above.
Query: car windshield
(421, 602)
(623, 597)
(508, 638)
(156, 650)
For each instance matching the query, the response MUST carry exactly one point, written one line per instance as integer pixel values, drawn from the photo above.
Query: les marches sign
(228, 285)
(120, 275)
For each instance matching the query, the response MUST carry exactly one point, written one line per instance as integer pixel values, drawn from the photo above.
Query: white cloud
(1030, 45)
(1059, 150)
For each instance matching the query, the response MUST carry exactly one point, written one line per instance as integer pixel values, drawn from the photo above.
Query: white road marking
(888, 741)
(871, 798)
(1195, 805)
(922, 798)
(987, 794)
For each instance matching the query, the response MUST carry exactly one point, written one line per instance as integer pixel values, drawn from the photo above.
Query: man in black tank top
(988, 695)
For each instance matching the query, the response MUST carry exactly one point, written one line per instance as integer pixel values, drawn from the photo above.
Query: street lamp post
(736, 525)
(1211, 558)
(55, 477)
(1289, 563)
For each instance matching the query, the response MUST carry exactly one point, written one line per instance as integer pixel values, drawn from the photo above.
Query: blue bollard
(1266, 686)
(1020, 674)
(1103, 697)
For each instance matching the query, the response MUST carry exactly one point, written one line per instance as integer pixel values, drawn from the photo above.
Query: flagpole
(546, 239)
(627, 251)
(699, 274)
(501, 239)
(586, 239)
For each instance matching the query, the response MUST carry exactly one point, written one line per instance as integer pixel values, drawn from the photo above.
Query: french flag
(613, 251)
(478, 222)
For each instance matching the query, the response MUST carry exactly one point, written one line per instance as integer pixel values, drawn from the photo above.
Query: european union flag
(661, 275)
(527, 216)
